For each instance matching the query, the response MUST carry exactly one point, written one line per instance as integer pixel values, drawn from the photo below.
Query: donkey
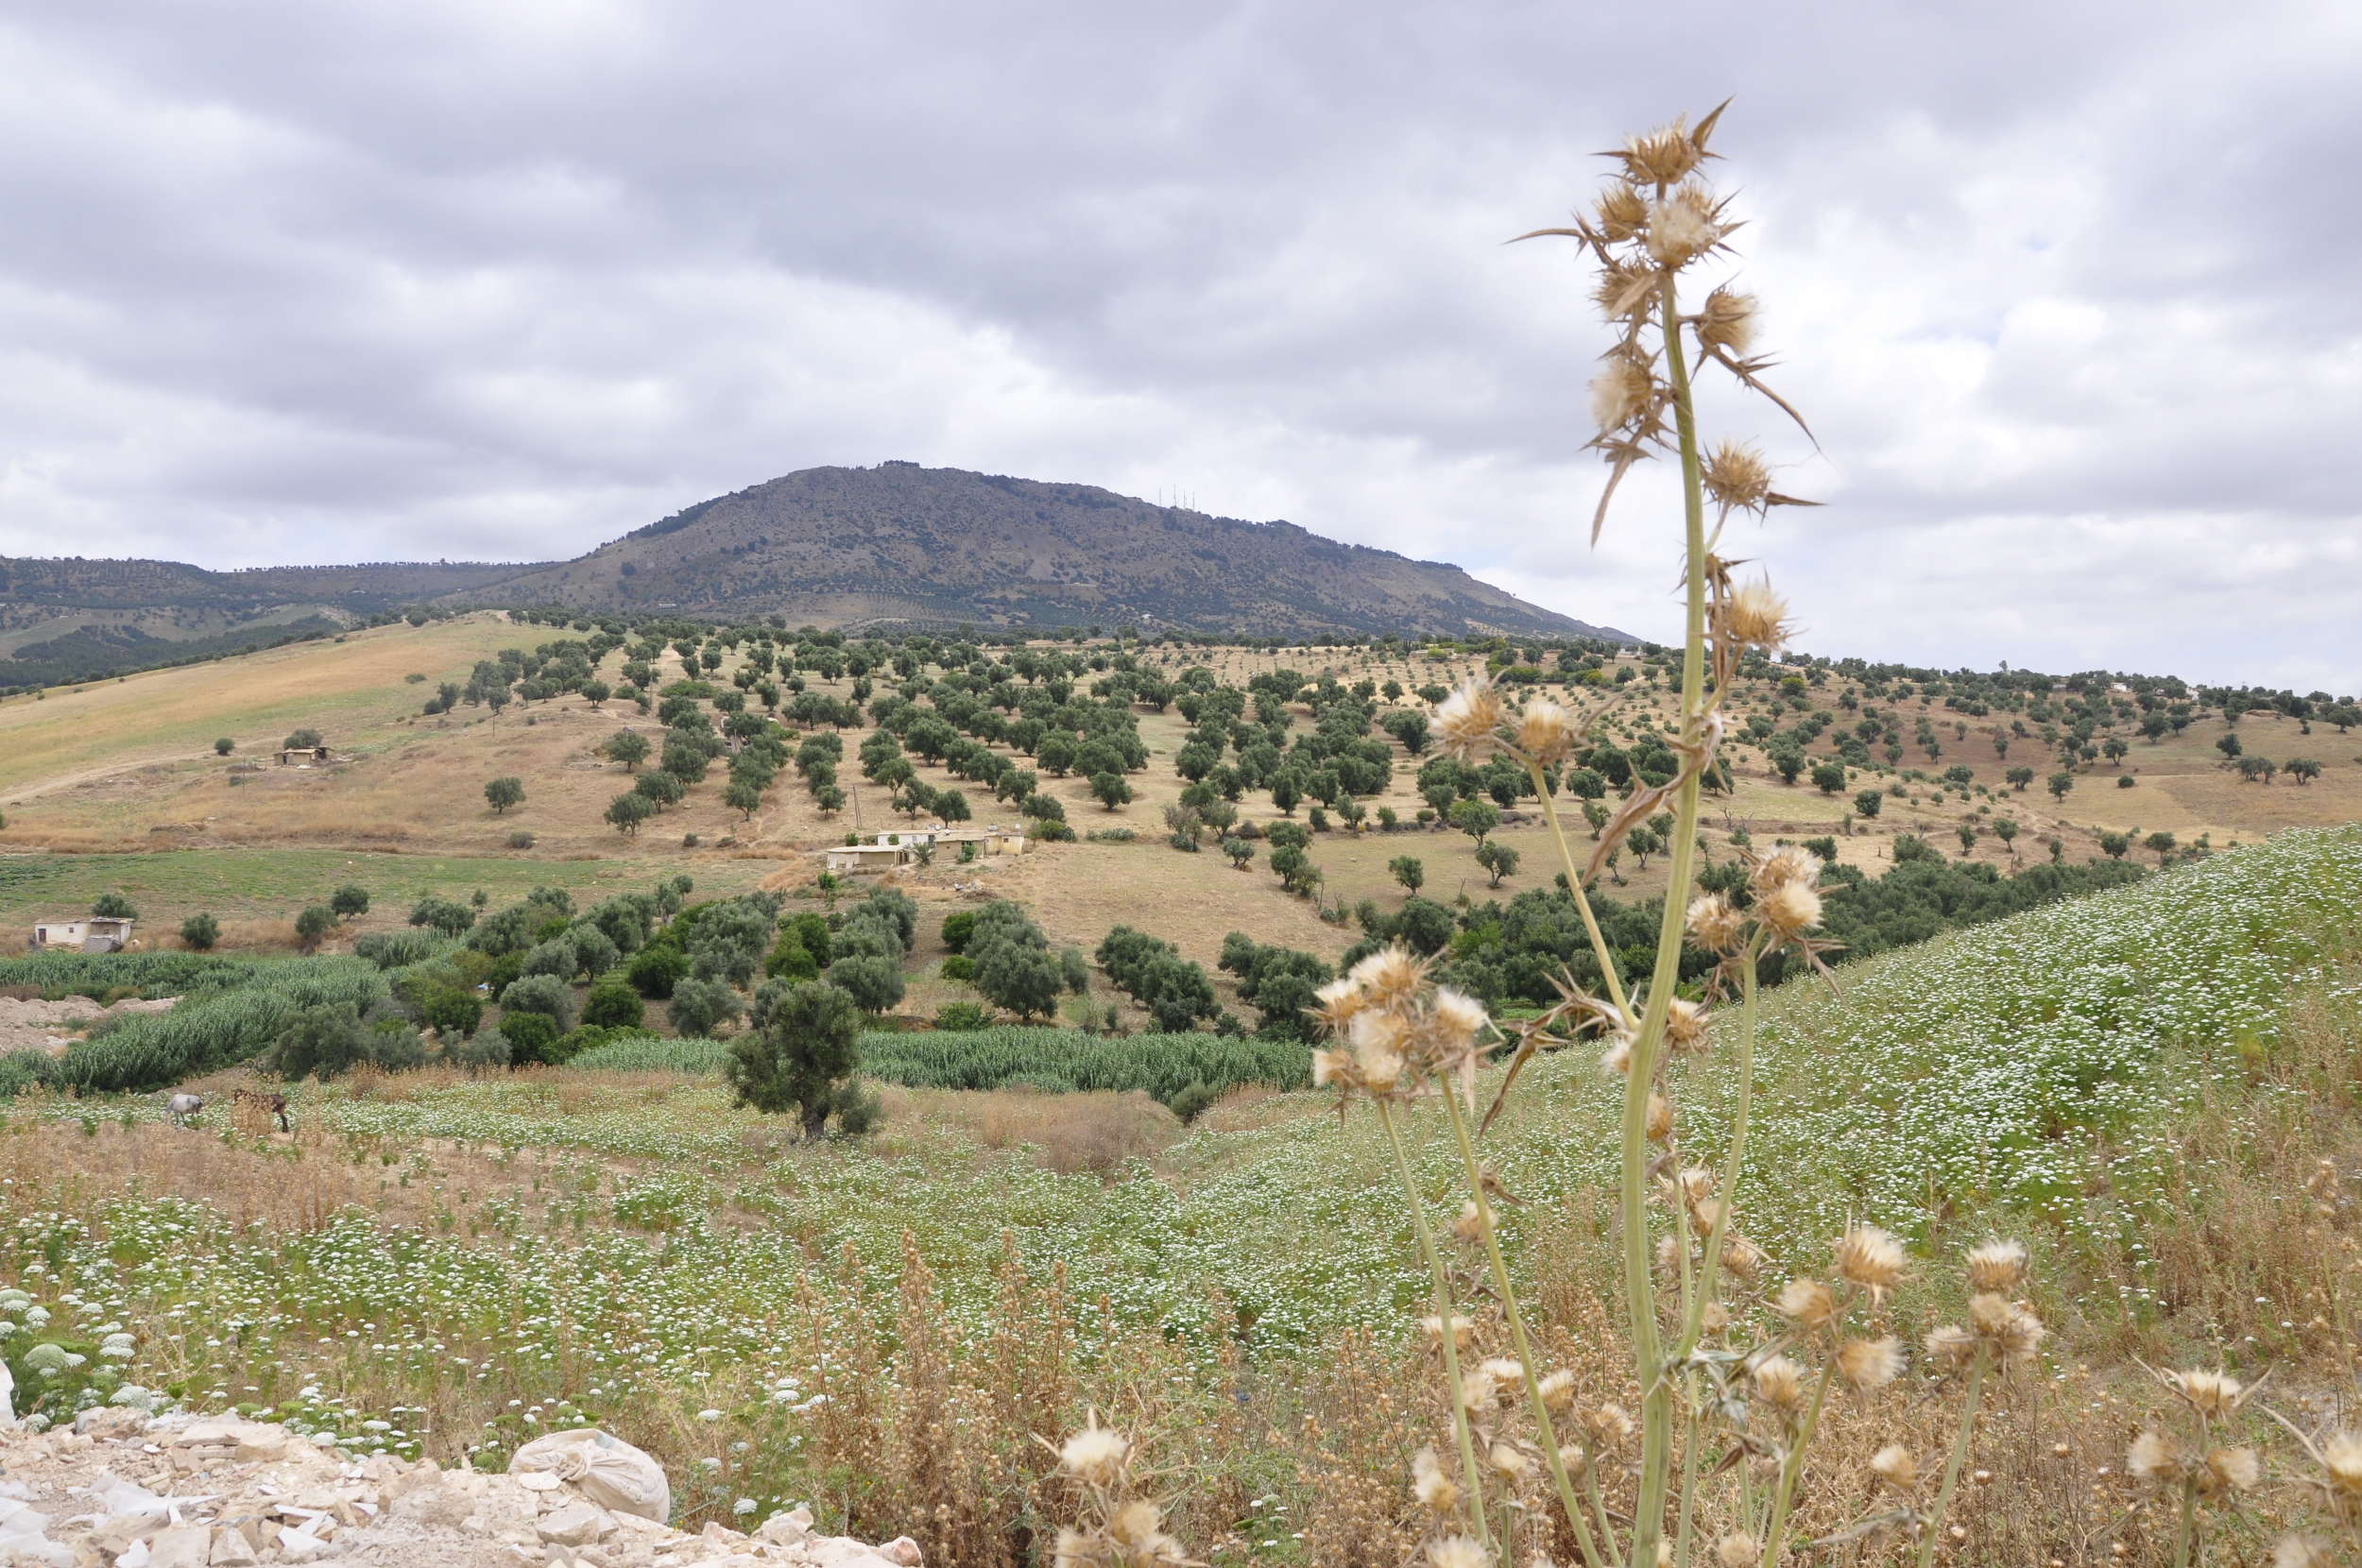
(270, 1104)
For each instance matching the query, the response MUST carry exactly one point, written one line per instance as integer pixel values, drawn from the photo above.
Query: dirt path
(89, 775)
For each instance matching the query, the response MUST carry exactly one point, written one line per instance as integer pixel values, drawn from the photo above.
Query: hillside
(900, 543)
(69, 619)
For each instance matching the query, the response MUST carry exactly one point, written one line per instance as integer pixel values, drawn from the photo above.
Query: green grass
(1066, 1059)
(650, 1053)
(274, 883)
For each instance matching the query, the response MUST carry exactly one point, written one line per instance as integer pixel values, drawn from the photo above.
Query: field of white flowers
(633, 1252)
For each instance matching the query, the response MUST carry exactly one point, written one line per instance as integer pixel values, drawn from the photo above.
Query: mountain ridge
(904, 544)
(894, 546)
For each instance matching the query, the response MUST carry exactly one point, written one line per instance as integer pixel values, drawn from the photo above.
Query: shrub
(530, 1037)
(962, 1015)
(613, 1004)
(349, 901)
(874, 982)
(547, 995)
(959, 966)
(224, 746)
(656, 970)
(650, 1053)
(478, 1052)
(198, 933)
(1060, 1060)
(521, 840)
(501, 793)
(113, 906)
(699, 1005)
(312, 926)
(446, 915)
(801, 1057)
(394, 949)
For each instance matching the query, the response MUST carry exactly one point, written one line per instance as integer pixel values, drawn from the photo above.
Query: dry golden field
(117, 785)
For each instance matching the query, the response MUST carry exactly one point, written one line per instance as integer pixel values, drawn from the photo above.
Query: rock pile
(50, 1027)
(185, 1491)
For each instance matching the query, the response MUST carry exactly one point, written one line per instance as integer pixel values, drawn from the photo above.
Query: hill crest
(904, 544)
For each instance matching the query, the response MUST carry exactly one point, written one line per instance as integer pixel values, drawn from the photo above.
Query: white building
(94, 934)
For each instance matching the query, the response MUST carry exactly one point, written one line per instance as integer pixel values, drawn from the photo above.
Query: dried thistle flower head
(1870, 1258)
(1893, 1466)
(1507, 1460)
(2341, 1462)
(1790, 862)
(1626, 288)
(2155, 1461)
(1728, 320)
(1615, 1060)
(2009, 1327)
(1620, 394)
(1667, 155)
(1755, 617)
(2230, 1469)
(2302, 1551)
(1714, 922)
(1620, 212)
(1738, 1550)
(1684, 1026)
(1478, 1390)
(1780, 1383)
(1742, 1257)
(1737, 479)
(1869, 1364)
(1949, 1346)
(1468, 721)
(1138, 1528)
(1505, 1369)
(1340, 999)
(1391, 976)
(1998, 1267)
(1096, 1455)
(1609, 1425)
(1660, 1118)
(1457, 1015)
(1558, 1391)
(1683, 227)
(1461, 1329)
(1806, 1303)
(1790, 910)
(1435, 1489)
(2210, 1393)
(1458, 1551)
(1546, 731)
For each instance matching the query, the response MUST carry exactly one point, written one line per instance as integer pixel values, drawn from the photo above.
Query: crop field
(2140, 1083)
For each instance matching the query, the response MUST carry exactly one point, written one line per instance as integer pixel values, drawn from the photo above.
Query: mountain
(69, 617)
(901, 544)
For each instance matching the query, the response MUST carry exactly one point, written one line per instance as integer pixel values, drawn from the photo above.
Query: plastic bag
(604, 1469)
(23, 1537)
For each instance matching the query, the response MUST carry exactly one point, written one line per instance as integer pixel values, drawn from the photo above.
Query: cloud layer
(2064, 297)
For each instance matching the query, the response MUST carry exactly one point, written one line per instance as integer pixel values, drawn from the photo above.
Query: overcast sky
(2065, 287)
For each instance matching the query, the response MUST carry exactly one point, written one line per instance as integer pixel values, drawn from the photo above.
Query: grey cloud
(2063, 294)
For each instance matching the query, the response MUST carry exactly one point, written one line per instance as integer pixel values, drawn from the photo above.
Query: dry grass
(1065, 1132)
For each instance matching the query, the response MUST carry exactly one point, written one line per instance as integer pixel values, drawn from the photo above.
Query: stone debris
(51, 1027)
(119, 1491)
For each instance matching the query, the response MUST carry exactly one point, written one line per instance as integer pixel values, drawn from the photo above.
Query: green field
(271, 883)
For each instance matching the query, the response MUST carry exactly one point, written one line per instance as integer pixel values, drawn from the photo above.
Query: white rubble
(119, 1491)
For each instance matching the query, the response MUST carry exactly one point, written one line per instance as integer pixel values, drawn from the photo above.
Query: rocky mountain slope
(900, 543)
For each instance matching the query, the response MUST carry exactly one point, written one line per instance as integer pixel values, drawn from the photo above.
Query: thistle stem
(1517, 1332)
(1444, 1316)
(1969, 1403)
(1599, 950)
(1656, 1399)
(1733, 1164)
(1794, 1468)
